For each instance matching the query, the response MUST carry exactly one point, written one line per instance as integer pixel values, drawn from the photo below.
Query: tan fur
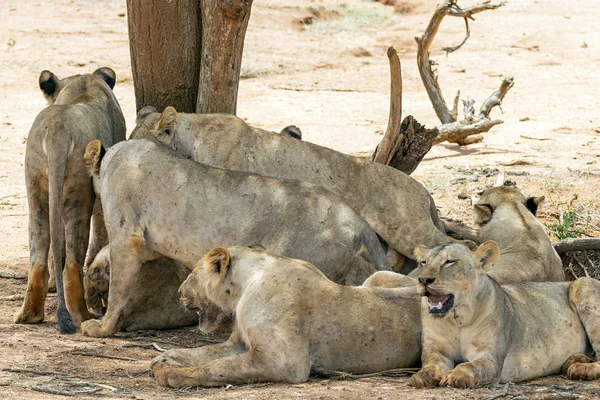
(283, 335)
(507, 333)
(157, 203)
(398, 207)
(155, 303)
(526, 253)
(60, 195)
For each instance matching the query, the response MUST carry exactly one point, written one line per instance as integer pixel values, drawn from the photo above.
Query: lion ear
(165, 127)
(483, 213)
(107, 75)
(487, 254)
(421, 252)
(94, 152)
(49, 84)
(143, 113)
(534, 203)
(218, 261)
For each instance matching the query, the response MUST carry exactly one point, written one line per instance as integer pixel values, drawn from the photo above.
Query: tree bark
(224, 24)
(165, 43)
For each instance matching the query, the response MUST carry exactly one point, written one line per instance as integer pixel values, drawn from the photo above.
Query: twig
(534, 138)
(299, 89)
(496, 98)
(98, 355)
(100, 385)
(158, 348)
(40, 372)
(18, 277)
(14, 297)
(500, 395)
(581, 265)
(571, 269)
(48, 390)
(467, 35)
(391, 372)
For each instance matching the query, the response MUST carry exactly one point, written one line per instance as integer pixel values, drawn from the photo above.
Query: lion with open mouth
(476, 331)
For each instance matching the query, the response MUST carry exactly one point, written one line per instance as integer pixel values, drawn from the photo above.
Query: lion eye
(449, 262)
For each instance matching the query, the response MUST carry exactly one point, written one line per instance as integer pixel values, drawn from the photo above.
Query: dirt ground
(330, 78)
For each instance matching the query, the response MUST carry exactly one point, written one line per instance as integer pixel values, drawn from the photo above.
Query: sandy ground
(331, 79)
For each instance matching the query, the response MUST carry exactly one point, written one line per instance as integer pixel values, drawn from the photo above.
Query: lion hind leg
(249, 367)
(584, 295)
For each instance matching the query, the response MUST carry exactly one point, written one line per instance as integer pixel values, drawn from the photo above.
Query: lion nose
(426, 280)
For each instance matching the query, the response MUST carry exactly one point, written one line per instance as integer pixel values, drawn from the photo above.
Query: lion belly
(545, 331)
(372, 334)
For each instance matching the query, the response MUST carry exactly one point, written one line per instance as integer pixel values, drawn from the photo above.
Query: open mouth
(439, 304)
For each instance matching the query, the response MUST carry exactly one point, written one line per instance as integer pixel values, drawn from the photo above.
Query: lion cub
(476, 331)
(290, 320)
(507, 217)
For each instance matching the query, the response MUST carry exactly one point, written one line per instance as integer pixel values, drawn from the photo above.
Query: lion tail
(372, 251)
(57, 144)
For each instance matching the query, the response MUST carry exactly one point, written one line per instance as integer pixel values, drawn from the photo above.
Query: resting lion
(158, 203)
(154, 303)
(476, 331)
(283, 335)
(398, 207)
(59, 191)
(507, 217)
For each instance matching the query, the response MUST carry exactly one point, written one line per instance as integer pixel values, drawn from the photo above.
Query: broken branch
(391, 140)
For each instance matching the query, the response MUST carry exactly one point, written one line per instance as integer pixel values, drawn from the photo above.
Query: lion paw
(584, 371)
(459, 379)
(164, 360)
(428, 376)
(93, 328)
(575, 358)
(169, 376)
(29, 316)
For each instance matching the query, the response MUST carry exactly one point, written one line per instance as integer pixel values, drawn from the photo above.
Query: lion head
(492, 197)
(452, 275)
(208, 291)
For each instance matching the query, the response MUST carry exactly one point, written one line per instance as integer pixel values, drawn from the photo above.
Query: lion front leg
(126, 263)
(435, 365)
(584, 296)
(470, 374)
(249, 367)
(200, 355)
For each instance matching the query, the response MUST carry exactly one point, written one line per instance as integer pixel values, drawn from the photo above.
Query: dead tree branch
(452, 130)
(404, 144)
(391, 140)
(579, 244)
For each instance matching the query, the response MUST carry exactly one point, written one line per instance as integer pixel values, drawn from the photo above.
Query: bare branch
(454, 111)
(467, 35)
(456, 130)
(496, 98)
(449, 7)
(392, 138)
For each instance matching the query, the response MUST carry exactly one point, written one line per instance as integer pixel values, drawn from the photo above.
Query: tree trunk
(165, 43)
(224, 24)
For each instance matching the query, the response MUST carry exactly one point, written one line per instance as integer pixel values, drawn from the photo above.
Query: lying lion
(476, 331)
(507, 217)
(154, 303)
(157, 203)
(398, 207)
(283, 335)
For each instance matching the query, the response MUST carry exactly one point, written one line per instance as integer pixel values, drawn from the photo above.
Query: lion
(59, 190)
(399, 208)
(314, 325)
(476, 331)
(507, 217)
(157, 203)
(154, 302)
